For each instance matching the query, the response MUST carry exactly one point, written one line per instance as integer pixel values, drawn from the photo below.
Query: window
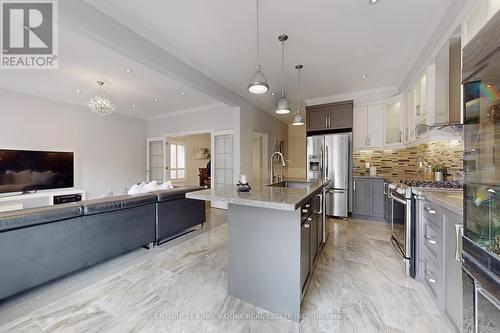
(177, 161)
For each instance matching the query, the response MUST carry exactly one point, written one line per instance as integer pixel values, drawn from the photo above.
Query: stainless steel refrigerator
(330, 156)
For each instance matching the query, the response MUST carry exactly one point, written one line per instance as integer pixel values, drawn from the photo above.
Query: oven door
(399, 225)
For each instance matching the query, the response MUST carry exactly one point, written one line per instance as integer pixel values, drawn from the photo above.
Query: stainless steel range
(403, 228)
(403, 221)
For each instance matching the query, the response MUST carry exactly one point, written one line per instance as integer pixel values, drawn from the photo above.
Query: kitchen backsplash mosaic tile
(411, 162)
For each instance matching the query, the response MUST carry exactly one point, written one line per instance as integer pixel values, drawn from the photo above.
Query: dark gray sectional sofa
(173, 204)
(41, 244)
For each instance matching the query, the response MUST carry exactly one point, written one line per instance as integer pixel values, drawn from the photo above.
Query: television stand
(35, 199)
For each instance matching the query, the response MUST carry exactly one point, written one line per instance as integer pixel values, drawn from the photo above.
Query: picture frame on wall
(201, 153)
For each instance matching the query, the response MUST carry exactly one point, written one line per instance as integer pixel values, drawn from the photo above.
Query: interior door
(222, 163)
(155, 160)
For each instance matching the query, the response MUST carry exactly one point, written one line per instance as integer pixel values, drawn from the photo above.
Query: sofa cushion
(33, 216)
(97, 206)
(176, 193)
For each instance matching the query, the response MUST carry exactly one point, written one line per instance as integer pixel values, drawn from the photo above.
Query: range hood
(453, 128)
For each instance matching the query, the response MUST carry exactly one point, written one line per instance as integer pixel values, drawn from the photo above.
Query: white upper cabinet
(359, 132)
(375, 128)
(393, 121)
(368, 126)
(480, 13)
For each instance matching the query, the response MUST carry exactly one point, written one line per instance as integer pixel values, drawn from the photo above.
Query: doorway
(259, 157)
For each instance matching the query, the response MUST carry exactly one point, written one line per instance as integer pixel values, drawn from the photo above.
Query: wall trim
(366, 96)
(190, 110)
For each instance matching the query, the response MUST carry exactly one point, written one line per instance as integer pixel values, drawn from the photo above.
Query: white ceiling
(82, 62)
(337, 41)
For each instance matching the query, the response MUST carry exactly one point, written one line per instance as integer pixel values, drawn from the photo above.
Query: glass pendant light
(298, 119)
(282, 106)
(258, 82)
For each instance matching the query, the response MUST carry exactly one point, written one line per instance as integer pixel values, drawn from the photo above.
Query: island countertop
(450, 199)
(262, 195)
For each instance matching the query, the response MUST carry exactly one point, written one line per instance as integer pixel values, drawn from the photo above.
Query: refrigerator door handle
(327, 162)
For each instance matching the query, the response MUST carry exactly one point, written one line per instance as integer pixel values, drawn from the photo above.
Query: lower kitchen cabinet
(368, 198)
(305, 263)
(452, 234)
(439, 244)
(313, 245)
(388, 204)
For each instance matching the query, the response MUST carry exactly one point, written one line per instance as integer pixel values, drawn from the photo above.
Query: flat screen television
(26, 170)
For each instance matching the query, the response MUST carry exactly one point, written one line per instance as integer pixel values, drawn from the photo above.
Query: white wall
(110, 153)
(243, 121)
(217, 117)
(253, 120)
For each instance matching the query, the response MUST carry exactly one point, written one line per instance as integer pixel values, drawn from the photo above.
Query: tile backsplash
(411, 162)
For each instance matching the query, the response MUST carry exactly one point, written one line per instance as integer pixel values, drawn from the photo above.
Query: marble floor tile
(358, 285)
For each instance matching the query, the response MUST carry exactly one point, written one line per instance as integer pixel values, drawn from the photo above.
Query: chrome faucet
(283, 163)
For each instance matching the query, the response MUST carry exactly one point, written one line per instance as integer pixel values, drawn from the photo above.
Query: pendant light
(298, 119)
(258, 82)
(282, 106)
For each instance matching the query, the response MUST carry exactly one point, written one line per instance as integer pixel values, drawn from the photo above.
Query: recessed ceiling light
(372, 2)
(183, 93)
(77, 91)
(364, 76)
(133, 105)
(273, 94)
(128, 70)
(155, 100)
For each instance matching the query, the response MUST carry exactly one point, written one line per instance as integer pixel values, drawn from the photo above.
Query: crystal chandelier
(100, 104)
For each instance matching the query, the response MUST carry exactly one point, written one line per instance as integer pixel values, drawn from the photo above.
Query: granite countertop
(451, 199)
(262, 195)
(369, 177)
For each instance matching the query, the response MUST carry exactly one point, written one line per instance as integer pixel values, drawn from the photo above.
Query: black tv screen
(26, 170)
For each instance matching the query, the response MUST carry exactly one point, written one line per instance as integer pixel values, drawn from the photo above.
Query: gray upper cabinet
(368, 197)
(341, 115)
(330, 117)
(317, 119)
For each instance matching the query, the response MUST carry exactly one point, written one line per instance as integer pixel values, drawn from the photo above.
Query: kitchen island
(275, 234)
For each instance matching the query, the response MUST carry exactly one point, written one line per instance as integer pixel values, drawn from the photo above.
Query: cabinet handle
(320, 197)
(459, 229)
(307, 225)
(354, 185)
(385, 191)
(309, 219)
(430, 240)
(304, 210)
(326, 122)
(308, 205)
(430, 211)
(431, 280)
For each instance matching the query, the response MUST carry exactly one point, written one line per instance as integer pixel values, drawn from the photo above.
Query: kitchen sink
(291, 184)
